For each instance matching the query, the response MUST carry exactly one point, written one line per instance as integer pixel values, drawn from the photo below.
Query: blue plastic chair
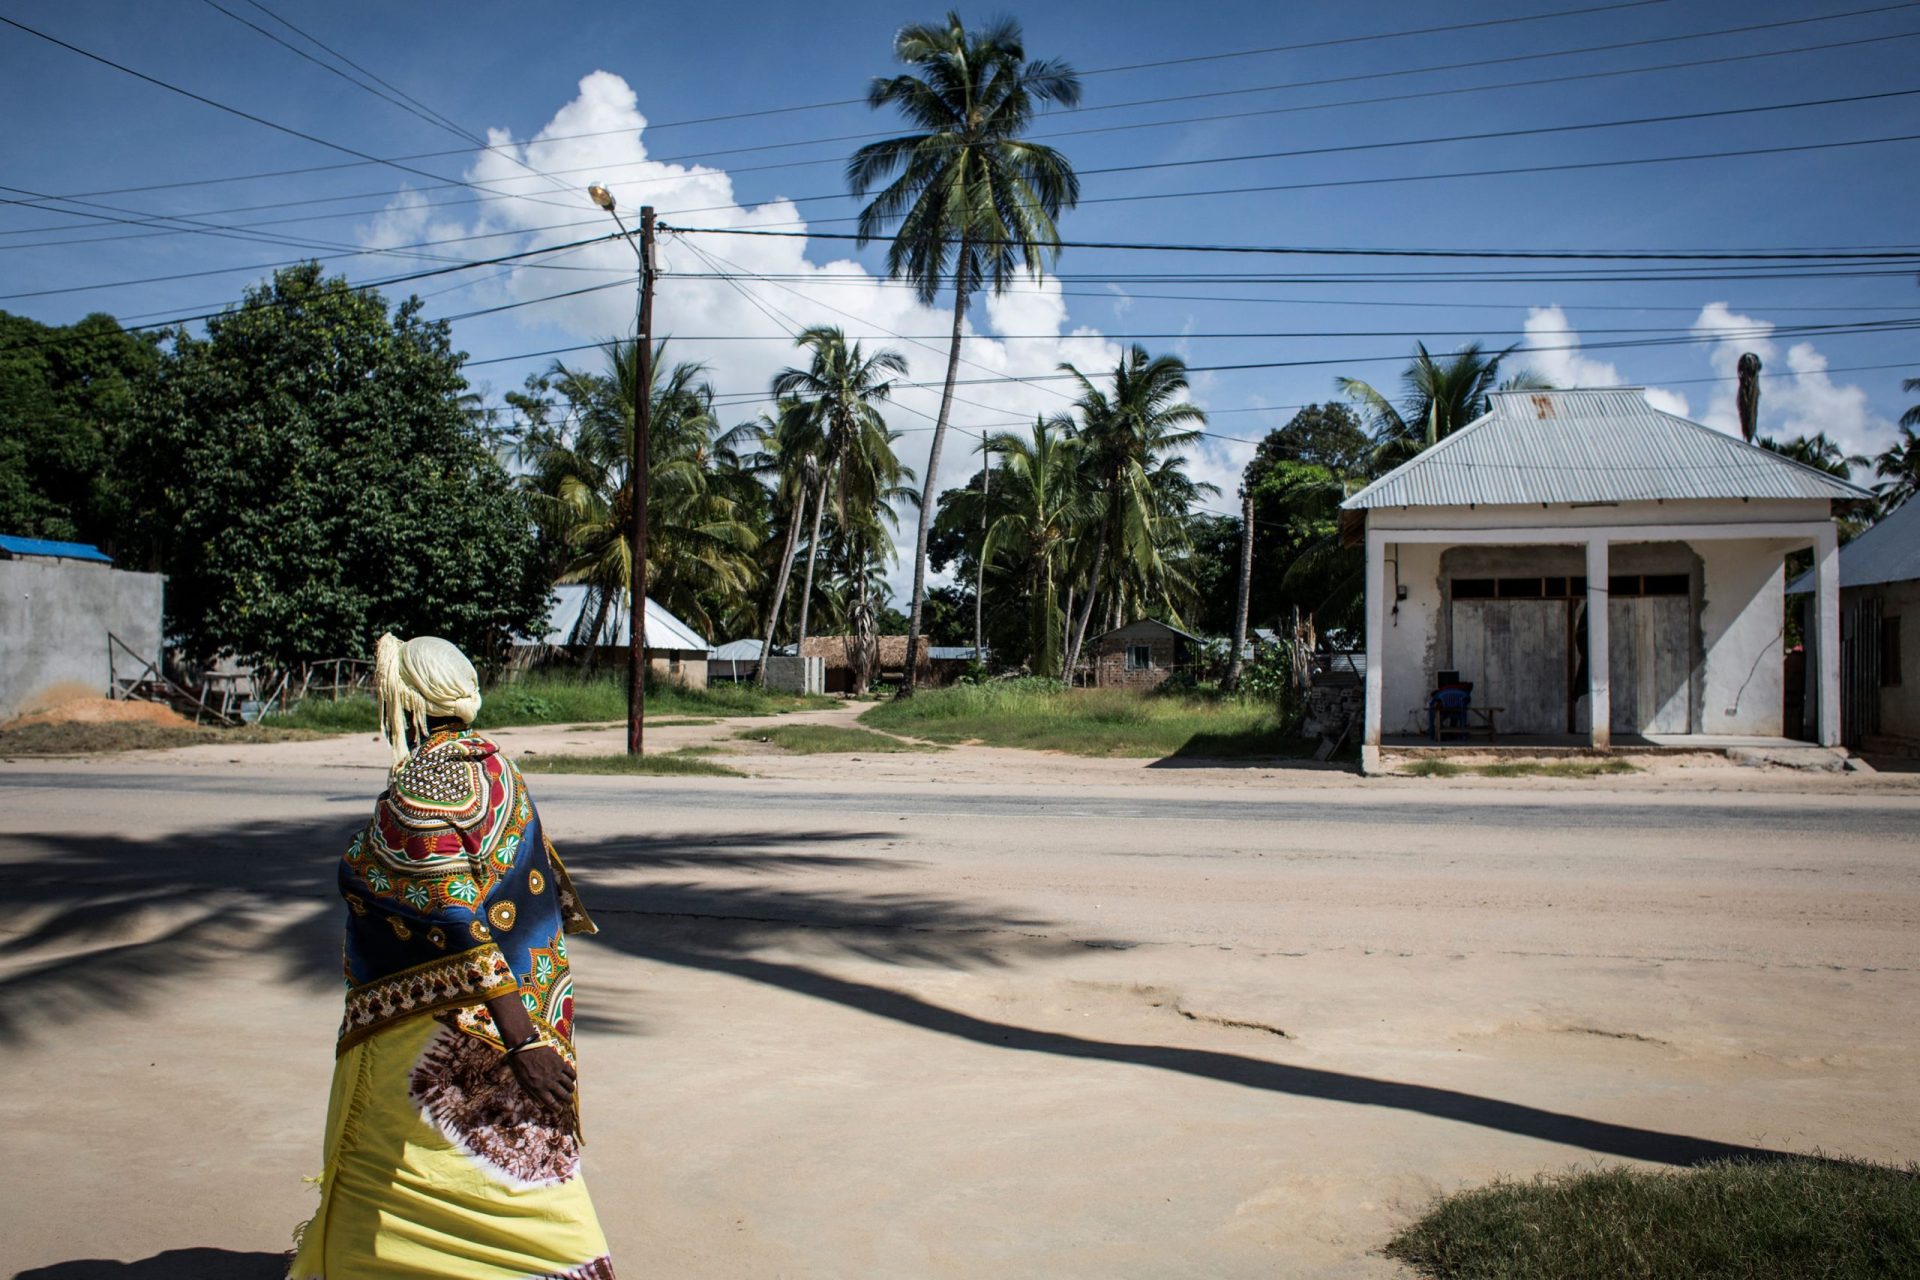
(1447, 711)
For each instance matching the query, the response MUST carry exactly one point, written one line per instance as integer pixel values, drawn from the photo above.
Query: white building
(1596, 569)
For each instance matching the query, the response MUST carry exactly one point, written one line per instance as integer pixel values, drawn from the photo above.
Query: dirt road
(1103, 1022)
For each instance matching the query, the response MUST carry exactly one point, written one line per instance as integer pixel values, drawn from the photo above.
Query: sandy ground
(979, 1013)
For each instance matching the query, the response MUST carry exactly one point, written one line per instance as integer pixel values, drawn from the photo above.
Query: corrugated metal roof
(1888, 552)
(664, 631)
(43, 547)
(737, 651)
(1605, 445)
(954, 653)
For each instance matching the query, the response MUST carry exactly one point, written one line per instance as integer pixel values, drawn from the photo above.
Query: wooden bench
(1481, 722)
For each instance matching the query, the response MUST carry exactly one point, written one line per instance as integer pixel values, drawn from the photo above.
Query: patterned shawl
(455, 896)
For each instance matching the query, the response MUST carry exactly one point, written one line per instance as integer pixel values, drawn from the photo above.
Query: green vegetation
(1044, 716)
(555, 699)
(1520, 769)
(673, 765)
(1789, 1218)
(71, 739)
(828, 739)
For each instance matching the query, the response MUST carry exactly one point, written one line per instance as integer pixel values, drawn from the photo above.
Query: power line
(653, 126)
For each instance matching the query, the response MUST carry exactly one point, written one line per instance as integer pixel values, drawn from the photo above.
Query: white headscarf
(417, 678)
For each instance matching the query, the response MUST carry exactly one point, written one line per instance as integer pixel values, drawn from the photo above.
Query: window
(1889, 652)
(1139, 657)
(1473, 588)
(1651, 584)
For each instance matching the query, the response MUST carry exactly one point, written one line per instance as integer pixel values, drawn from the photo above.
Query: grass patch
(554, 699)
(93, 739)
(1092, 722)
(1520, 769)
(824, 739)
(673, 765)
(1839, 1220)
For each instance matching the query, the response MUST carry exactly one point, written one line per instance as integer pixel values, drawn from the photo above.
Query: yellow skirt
(439, 1166)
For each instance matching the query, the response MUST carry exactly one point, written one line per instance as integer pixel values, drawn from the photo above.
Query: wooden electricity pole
(642, 431)
(1236, 659)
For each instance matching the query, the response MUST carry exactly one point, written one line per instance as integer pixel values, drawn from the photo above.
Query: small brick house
(1141, 655)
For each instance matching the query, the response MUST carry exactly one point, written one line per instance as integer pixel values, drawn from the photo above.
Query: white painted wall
(1742, 620)
(1637, 514)
(1410, 652)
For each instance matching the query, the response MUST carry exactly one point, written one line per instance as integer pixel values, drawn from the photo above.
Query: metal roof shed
(1594, 480)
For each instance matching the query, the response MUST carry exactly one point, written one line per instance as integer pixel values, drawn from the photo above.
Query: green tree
(971, 201)
(1437, 399)
(1133, 434)
(66, 395)
(838, 397)
(1899, 465)
(704, 522)
(1818, 451)
(1035, 508)
(309, 476)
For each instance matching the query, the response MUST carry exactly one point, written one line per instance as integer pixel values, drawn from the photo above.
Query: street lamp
(642, 415)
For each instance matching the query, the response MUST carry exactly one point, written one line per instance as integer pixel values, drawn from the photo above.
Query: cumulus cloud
(1551, 348)
(1798, 398)
(740, 329)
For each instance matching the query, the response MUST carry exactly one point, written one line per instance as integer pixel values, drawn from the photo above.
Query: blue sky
(74, 126)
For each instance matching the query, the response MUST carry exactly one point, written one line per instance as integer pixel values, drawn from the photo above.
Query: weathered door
(1650, 663)
(1515, 653)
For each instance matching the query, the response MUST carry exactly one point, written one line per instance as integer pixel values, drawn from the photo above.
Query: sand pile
(81, 704)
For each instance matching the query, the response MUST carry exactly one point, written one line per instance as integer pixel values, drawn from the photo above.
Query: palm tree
(1132, 435)
(1818, 451)
(838, 396)
(1899, 466)
(1437, 400)
(972, 201)
(791, 453)
(700, 542)
(1033, 512)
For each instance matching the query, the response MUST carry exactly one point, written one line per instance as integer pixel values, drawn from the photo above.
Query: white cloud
(1797, 398)
(1551, 348)
(707, 319)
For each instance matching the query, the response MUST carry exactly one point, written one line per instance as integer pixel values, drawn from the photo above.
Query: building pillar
(1600, 698)
(1826, 612)
(1376, 648)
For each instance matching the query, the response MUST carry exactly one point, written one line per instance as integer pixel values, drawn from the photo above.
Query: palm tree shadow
(174, 1264)
(266, 891)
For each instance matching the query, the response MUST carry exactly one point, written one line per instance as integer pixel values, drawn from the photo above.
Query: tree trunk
(980, 583)
(1246, 592)
(1044, 621)
(813, 558)
(929, 490)
(1086, 614)
(780, 587)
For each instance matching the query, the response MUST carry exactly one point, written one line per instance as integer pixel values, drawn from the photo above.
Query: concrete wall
(54, 620)
(1742, 638)
(788, 674)
(1899, 703)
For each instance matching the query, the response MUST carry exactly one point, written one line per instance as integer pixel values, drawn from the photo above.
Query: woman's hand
(547, 1077)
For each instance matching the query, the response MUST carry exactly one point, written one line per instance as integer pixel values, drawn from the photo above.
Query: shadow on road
(174, 1264)
(113, 918)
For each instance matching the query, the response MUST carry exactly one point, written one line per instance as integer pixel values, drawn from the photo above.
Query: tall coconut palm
(1819, 451)
(1437, 399)
(1133, 432)
(1899, 466)
(839, 395)
(969, 202)
(1035, 508)
(792, 446)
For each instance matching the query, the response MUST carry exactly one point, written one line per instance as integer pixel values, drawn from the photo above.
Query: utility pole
(980, 583)
(637, 473)
(1235, 660)
(642, 452)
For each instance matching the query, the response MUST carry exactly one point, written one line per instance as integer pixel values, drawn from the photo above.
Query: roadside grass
(674, 764)
(1043, 716)
(1770, 1220)
(571, 700)
(91, 739)
(826, 739)
(1521, 769)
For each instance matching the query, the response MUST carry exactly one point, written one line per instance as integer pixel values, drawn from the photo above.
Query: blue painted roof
(42, 547)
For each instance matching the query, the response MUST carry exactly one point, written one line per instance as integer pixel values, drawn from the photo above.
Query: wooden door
(1650, 663)
(1515, 653)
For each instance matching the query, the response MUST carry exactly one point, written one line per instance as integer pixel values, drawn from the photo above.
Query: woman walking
(453, 1134)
